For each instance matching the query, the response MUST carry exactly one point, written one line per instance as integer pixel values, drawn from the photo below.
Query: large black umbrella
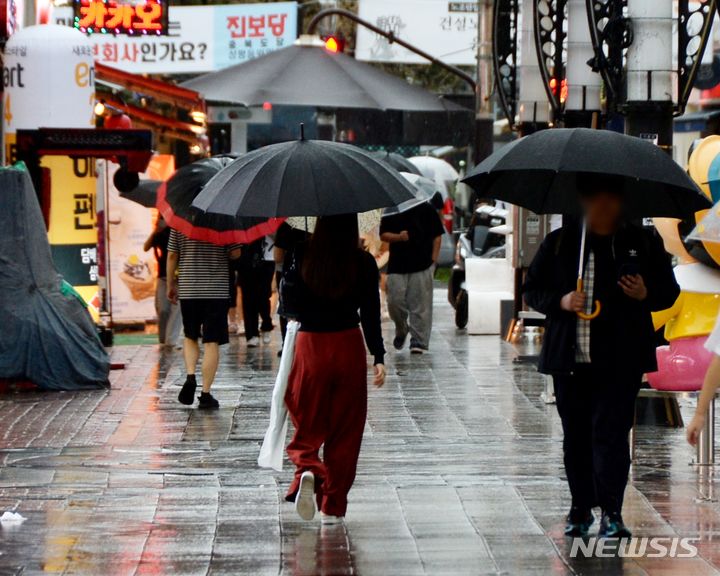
(145, 193)
(540, 172)
(175, 197)
(397, 161)
(303, 178)
(309, 75)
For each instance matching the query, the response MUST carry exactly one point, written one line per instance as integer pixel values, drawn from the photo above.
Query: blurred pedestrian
(327, 387)
(256, 267)
(414, 237)
(202, 286)
(168, 313)
(287, 252)
(709, 389)
(597, 365)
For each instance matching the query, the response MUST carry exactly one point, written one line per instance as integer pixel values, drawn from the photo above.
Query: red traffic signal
(334, 43)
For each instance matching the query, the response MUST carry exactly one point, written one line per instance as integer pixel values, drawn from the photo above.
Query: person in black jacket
(597, 365)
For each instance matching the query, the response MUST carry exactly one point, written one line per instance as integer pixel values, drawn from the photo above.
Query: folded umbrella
(175, 197)
(303, 178)
(540, 173)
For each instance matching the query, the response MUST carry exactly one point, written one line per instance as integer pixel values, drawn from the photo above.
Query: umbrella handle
(598, 307)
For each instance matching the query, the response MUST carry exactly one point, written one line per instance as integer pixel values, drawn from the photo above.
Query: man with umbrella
(597, 280)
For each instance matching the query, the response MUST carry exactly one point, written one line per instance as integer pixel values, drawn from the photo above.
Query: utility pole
(484, 109)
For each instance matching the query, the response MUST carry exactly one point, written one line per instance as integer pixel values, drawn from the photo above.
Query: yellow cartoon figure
(683, 363)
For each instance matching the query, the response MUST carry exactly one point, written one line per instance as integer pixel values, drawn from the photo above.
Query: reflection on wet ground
(460, 474)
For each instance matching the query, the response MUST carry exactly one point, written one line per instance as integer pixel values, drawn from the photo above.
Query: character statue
(683, 363)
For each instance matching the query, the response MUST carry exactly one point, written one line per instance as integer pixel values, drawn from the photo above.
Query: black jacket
(630, 337)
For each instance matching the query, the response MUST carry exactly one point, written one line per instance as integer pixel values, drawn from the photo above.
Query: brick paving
(460, 473)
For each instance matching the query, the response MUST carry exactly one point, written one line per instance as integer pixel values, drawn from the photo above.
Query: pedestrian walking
(168, 312)
(202, 286)
(597, 359)
(256, 267)
(414, 237)
(326, 397)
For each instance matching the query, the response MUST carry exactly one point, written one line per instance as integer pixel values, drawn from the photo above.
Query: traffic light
(562, 96)
(334, 43)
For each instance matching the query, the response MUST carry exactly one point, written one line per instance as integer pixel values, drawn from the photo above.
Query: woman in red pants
(327, 389)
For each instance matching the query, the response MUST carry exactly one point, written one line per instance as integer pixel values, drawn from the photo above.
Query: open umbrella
(397, 161)
(303, 178)
(308, 75)
(175, 197)
(437, 169)
(144, 193)
(426, 190)
(540, 173)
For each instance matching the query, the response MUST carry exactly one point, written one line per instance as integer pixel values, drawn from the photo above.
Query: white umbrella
(436, 169)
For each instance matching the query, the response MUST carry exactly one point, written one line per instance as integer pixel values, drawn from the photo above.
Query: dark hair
(591, 184)
(330, 263)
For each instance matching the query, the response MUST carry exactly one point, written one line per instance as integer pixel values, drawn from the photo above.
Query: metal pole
(484, 115)
(705, 455)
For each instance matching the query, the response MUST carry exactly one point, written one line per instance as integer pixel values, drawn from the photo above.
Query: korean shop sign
(121, 17)
(199, 38)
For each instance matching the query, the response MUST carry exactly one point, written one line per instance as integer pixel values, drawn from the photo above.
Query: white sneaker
(267, 337)
(305, 504)
(232, 328)
(254, 342)
(330, 520)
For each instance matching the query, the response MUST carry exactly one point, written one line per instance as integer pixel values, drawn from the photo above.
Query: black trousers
(256, 286)
(597, 409)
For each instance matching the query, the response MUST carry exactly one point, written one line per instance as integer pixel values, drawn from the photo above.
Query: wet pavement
(460, 473)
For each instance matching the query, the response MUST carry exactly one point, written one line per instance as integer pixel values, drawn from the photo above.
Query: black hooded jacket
(622, 338)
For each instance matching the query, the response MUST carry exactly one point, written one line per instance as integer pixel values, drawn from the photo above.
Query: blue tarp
(46, 336)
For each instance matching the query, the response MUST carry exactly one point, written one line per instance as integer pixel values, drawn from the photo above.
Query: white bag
(273, 446)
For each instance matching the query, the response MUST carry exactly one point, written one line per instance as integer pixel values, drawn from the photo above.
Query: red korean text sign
(145, 17)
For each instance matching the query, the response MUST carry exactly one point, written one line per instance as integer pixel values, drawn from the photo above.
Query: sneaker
(417, 349)
(305, 504)
(399, 342)
(330, 520)
(187, 394)
(207, 401)
(612, 526)
(253, 342)
(233, 328)
(267, 337)
(579, 522)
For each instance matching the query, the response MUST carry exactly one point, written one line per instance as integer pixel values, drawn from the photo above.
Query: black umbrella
(303, 178)
(540, 172)
(175, 199)
(309, 75)
(400, 163)
(144, 193)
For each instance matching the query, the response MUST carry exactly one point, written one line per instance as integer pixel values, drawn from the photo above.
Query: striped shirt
(203, 268)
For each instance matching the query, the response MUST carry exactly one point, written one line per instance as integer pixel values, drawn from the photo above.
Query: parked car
(485, 238)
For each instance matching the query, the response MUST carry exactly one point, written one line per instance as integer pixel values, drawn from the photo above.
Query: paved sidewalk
(460, 473)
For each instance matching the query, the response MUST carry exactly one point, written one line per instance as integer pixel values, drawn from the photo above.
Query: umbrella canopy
(303, 178)
(426, 190)
(540, 172)
(708, 229)
(175, 199)
(400, 163)
(144, 193)
(436, 169)
(308, 75)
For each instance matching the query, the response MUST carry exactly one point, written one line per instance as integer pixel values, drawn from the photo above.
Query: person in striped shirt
(198, 275)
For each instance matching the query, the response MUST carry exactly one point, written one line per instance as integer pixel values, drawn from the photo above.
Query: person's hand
(573, 301)
(694, 428)
(634, 287)
(172, 292)
(379, 378)
(403, 236)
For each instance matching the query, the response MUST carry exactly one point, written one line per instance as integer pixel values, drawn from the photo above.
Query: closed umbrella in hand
(175, 199)
(303, 178)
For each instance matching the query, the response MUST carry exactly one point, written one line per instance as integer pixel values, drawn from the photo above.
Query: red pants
(327, 401)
